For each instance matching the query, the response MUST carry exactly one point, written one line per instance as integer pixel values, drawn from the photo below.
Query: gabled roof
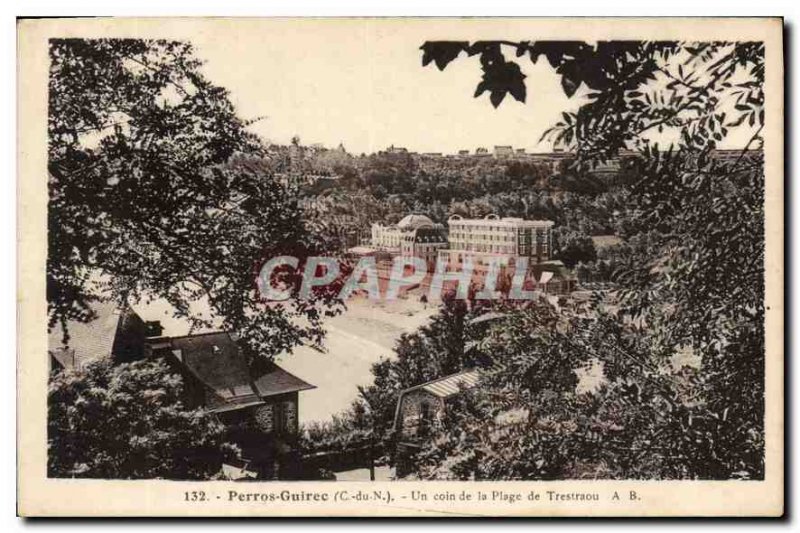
(88, 341)
(216, 361)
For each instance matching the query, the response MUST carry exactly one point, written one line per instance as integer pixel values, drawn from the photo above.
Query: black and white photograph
(402, 251)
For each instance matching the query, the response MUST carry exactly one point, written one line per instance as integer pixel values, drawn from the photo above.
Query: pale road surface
(355, 340)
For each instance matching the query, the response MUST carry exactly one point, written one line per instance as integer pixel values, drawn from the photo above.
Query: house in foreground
(258, 401)
(421, 408)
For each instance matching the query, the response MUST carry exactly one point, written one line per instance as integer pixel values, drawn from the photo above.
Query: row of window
(481, 237)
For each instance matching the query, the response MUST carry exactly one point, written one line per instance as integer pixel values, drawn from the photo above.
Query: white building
(503, 151)
(404, 237)
(386, 238)
(484, 238)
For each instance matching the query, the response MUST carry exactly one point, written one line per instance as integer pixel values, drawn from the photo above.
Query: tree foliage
(158, 189)
(448, 344)
(572, 247)
(699, 90)
(146, 432)
(690, 280)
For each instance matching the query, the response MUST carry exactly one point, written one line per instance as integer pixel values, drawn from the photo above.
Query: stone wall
(280, 411)
(264, 417)
(412, 408)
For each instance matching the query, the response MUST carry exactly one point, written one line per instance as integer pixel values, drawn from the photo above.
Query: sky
(366, 88)
(361, 83)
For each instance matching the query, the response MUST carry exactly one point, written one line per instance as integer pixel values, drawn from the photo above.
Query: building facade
(415, 235)
(503, 151)
(386, 238)
(482, 239)
(424, 243)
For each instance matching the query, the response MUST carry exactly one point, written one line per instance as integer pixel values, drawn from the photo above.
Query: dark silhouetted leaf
(441, 52)
(496, 97)
(500, 78)
(557, 51)
(570, 78)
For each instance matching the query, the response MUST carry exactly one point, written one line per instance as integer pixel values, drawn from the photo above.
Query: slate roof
(88, 341)
(276, 380)
(427, 235)
(216, 361)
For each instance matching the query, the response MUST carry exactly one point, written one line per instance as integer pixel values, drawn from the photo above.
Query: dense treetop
(157, 189)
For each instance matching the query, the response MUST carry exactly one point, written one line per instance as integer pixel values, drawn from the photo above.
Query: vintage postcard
(400, 267)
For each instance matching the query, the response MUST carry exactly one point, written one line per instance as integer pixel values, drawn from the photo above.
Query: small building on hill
(602, 242)
(421, 408)
(553, 277)
(503, 151)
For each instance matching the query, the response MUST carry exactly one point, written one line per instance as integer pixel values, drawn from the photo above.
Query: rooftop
(415, 221)
(605, 241)
(494, 220)
(449, 385)
(90, 341)
(424, 234)
(215, 360)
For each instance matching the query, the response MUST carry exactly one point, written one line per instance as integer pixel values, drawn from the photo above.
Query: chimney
(153, 328)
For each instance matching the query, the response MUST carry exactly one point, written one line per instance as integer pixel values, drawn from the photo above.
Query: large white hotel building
(493, 237)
